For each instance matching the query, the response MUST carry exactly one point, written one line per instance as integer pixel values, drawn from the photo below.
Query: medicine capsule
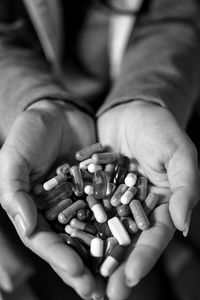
(53, 182)
(118, 231)
(88, 151)
(104, 158)
(141, 188)
(109, 170)
(130, 225)
(128, 195)
(93, 168)
(84, 214)
(99, 184)
(123, 210)
(121, 170)
(85, 237)
(88, 189)
(112, 261)
(77, 181)
(68, 213)
(150, 203)
(116, 198)
(77, 246)
(83, 226)
(52, 213)
(130, 179)
(96, 253)
(98, 210)
(63, 169)
(111, 242)
(47, 199)
(133, 166)
(139, 215)
(85, 163)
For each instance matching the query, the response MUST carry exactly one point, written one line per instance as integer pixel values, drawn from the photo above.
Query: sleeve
(162, 60)
(25, 75)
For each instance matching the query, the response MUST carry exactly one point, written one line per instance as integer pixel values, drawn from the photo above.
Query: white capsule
(108, 266)
(85, 163)
(88, 189)
(130, 179)
(99, 213)
(118, 231)
(97, 247)
(53, 182)
(128, 195)
(92, 168)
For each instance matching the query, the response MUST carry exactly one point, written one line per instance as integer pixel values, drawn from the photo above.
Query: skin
(39, 138)
(166, 155)
(48, 132)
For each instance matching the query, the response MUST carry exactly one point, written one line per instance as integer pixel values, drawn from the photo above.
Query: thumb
(184, 183)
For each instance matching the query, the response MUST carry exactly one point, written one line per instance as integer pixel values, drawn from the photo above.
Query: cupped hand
(46, 133)
(150, 134)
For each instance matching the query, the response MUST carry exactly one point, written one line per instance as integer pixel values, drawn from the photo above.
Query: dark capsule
(88, 151)
(123, 210)
(47, 199)
(99, 184)
(77, 181)
(130, 225)
(121, 170)
(102, 229)
(77, 246)
(84, 214)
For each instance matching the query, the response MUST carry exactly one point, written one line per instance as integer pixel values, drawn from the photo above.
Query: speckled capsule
(84, 214)
(67, 214)
(123, 210)
(99, 184)
(97, 209)
(47, 199)
(128, 195)
(104, 158)
(76, 245)
(141, 188)
(112, 261)
(63, 169)
(52, 213)
(121, 170)
(150, 203)
(139, 215)
(83, 226)
(77, 181)
(116, 198)
(85, 237)
(130, 225)
(88, 151)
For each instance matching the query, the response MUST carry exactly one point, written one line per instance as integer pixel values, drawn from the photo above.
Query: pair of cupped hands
(49, 132)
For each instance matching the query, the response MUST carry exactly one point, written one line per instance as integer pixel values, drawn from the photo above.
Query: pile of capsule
(97, 205)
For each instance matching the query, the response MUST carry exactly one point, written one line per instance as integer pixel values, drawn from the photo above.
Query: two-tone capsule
(119, 192)
(112, 261)
(83, 226)
(96, 253)
(83, 236)
(128, 195)
(97, 209)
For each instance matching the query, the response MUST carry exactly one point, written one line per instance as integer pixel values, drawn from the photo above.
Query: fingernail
(20, 224)
(187, 224)
(131, 283)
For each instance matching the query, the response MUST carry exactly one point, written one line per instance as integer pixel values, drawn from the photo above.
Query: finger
(184, 183)
(149, 245)
(117, 288)
(83, 284)
(50, 247)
